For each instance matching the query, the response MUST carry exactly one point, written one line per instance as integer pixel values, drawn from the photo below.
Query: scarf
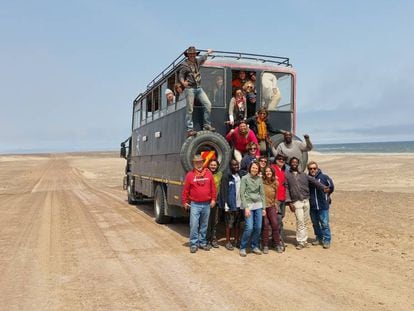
(261, 130)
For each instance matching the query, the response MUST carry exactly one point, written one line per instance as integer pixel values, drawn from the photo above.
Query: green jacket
(251, 191)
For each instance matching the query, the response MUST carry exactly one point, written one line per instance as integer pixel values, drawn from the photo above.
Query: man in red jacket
(199, 195)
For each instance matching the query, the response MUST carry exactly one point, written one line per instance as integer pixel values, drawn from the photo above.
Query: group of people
(242, 106)
(258, 196)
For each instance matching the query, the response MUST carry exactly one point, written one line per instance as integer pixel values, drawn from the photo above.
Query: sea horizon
(360, 147)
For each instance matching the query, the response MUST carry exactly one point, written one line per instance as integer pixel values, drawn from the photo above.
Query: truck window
(156, 102)
(277, 91)
(143, 111)
(137, 115)
(214, 91)
(149, 107)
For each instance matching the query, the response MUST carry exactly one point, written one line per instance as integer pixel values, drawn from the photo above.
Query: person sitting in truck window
(190, 76)
(250, 92)
(240, 80)
(252, 77)
(178, 90)
(270, 91)
(237, 107)
(218, 92)
(170, 97)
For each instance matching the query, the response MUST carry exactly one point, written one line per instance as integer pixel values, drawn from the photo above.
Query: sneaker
(193, 249)
(306, 244)
(257, 251)
(242, 253)
(317, 242)
(208, 127)
(191, 133)
(206, 247)
(265, 250)
(326, 245)
(229, 246)
(300, 246)
(280, 249)
(215, 244)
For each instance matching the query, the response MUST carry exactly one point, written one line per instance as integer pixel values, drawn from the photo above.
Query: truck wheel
(131, 191)
(205, 141)
(278, 139)
(160, 205)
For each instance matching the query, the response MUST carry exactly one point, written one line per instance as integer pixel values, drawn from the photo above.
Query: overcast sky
(69, 70)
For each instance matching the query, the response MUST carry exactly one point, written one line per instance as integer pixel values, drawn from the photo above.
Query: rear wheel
(160, 205)
(210, 143)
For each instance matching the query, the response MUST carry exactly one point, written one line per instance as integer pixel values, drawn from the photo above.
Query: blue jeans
(320, 222)
(252, 227)
(199, 213)
(190, 95)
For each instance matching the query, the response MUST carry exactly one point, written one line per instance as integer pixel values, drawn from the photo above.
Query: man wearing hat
(190, 77)
(199, 195)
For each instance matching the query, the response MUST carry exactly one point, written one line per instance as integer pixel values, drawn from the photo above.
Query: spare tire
(278, 139)
(205, 142)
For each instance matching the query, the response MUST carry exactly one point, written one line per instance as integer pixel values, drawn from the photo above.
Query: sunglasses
(265, 161)
(280, 159)
(254, 148)
(312, 168)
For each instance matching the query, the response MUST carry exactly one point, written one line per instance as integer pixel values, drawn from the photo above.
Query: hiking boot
(205, 247)
(208, 127)
(214, 244)
(317, 242)
(326, 245)
(193, 249)
(256, 251)
(242, 253)
(280, 249)
(191, 133)
(265, 250)
(229, 246)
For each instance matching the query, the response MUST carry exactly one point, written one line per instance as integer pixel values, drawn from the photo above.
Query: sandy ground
(70, 241)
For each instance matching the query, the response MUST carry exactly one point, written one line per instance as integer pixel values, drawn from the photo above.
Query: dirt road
(70, 241)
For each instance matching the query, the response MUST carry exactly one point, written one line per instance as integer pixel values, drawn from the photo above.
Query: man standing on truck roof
(190, 77)
(199, 195)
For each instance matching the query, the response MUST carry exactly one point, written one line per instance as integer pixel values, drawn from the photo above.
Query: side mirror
(123, 151)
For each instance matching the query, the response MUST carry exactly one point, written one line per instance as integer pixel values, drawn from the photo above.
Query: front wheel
(131, 191)
(160, 205)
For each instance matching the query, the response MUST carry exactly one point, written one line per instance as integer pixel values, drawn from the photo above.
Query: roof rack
(279, 60)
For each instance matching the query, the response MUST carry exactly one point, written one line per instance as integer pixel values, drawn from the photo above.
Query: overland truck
(158, 153)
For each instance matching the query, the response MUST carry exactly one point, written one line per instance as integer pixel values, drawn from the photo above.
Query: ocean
(376, 147)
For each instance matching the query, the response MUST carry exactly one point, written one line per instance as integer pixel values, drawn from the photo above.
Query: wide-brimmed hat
(191, 49)
(198, 158)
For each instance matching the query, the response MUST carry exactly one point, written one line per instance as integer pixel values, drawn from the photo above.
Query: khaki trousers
(302, 220)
